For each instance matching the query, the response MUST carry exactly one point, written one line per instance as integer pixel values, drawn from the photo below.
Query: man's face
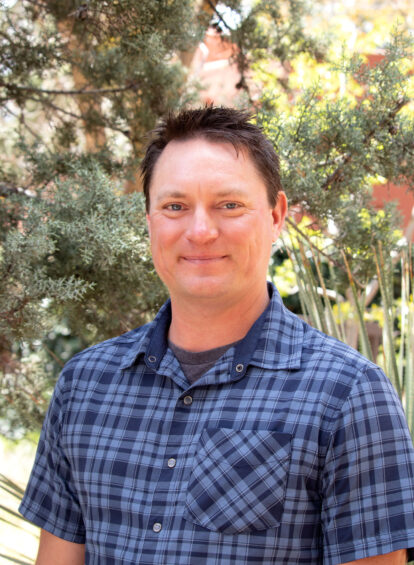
(210, 222)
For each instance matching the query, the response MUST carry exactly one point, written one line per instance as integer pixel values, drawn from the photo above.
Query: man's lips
(203, 259)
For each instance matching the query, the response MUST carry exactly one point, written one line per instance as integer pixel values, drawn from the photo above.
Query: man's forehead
(186, 165)
(187, 151)
(188, 144)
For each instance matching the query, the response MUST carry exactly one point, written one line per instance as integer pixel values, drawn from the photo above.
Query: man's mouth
(203, 259)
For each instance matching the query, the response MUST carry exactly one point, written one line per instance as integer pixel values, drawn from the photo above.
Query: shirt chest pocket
(238, 480)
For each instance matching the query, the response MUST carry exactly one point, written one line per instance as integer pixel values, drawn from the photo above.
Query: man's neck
(201, 325)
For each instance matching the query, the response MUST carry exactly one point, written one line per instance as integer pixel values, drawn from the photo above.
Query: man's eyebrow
(219, 194)
(171, 194)
(230, 192)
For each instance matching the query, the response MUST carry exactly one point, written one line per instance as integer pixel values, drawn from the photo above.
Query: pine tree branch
(53, 355)
(23, 121)
(338, 175)
(308, 104)
(82, 91)
(105, 123)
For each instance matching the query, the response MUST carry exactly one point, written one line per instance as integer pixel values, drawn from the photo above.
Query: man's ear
(279, 214)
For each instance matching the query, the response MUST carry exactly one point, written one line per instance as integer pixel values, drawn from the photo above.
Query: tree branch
(337, 175)
(220, 17)
(82, 91)
(21, 117)
(50, 104)
(105, 123)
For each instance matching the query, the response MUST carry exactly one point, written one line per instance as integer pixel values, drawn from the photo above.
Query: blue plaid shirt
(292, 449)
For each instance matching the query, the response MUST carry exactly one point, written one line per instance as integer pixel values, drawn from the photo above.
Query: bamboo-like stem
(365, 343)
(302, 292)
(341, 327)
(403, 322)
(330, 320)
(407, 336)
(389, 346)
(312, 290)
(306, 291)
(315, 300)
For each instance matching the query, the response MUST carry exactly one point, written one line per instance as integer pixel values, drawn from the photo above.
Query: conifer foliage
(81, 83)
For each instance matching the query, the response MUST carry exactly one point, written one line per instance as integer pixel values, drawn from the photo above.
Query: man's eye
(174, 207)
(231, 205)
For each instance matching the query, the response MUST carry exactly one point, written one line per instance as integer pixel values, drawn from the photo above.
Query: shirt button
(188, 400)
(157, 527)
(171, 463)
(239, 367)
(152, 358)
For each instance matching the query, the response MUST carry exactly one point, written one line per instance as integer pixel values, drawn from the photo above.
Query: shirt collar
(152, 343)
(279, 344)
(274, 341)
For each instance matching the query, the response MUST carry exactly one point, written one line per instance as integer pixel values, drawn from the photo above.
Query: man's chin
(206, 289)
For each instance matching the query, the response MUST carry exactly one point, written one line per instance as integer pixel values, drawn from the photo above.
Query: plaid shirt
(292, 449)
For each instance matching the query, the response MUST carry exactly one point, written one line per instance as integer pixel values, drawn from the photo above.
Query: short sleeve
(368, 479)
(50, 500)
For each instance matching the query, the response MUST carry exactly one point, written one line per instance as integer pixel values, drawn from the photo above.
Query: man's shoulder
(287, 341)
(336, 361)
(111, 353)
(289, 334)
(313, 349)
(318, 343)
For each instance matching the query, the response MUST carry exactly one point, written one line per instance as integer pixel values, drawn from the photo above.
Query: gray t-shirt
(195, 363)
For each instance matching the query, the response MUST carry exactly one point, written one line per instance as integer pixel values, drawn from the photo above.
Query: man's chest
(231, 458)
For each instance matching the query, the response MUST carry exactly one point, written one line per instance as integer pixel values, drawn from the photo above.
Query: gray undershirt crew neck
(195, 363)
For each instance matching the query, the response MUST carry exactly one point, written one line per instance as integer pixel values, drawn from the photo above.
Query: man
(227, 431)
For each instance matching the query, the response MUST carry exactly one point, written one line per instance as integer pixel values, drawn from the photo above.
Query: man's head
(213, 214)
(222, 125)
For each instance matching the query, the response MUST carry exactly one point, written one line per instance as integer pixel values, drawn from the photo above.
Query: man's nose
(202, 226)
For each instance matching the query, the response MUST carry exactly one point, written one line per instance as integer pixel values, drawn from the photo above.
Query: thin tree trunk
(202, 7)
(95, 137)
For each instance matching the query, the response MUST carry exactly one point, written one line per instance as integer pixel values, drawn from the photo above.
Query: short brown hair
(218, 124)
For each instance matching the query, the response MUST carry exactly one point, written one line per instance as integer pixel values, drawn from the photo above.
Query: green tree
(81, 84)
(341, 138)
(335, 146)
